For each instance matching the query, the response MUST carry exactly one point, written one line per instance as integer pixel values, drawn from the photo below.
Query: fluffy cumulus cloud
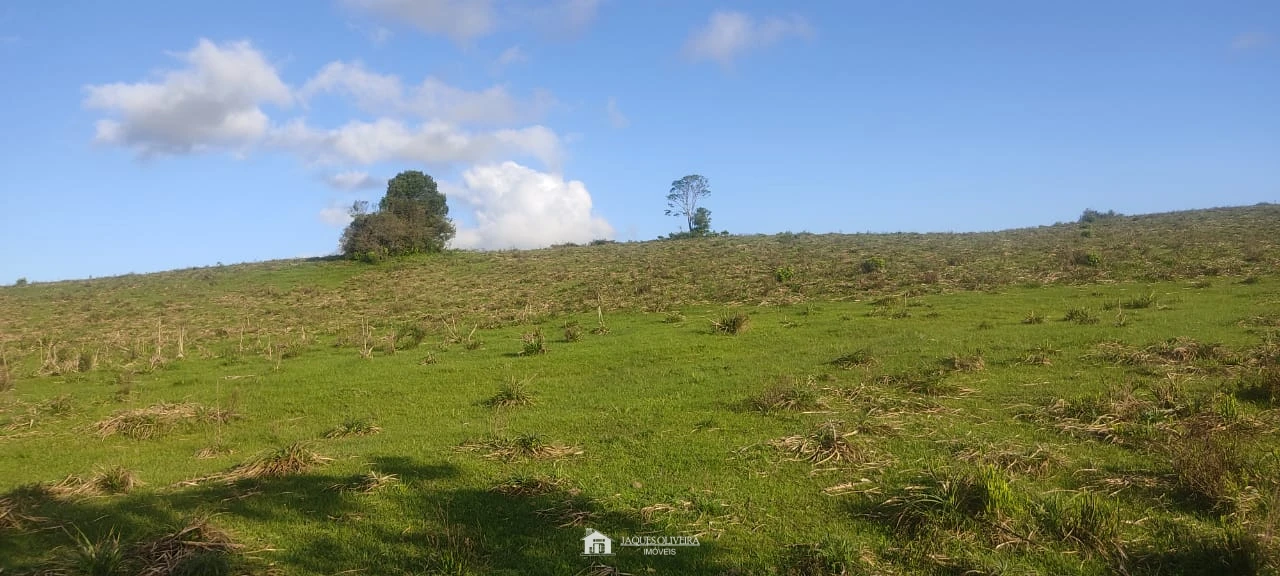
(336, 215)
(729, 34)
(386, 94)
(461, 20)
(214, 101)
(519, 207)
(430, 143)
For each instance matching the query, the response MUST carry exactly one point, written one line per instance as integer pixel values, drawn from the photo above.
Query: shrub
(533, 343)
(409, 336)
(873, 264)
(572, 332)
(784, 274)
(1090, 215)
(860, 357)
(1033, 318)
(1080, 316)
(511, 393)
(732, 323)
(1086, 258)
(781, 396)
(412, 217)
(20, 282)
(353, 427)
(673, 317)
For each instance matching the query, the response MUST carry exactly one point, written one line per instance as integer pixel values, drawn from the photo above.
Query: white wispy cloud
(461, 20)
(512, 55)
(729, 34)
(336, 215)
(519, 207)
(434, 144)
(386, 94)
(1250, 41)
(352, 180)
(616, 118)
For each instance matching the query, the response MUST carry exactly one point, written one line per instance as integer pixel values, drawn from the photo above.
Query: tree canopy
(412, 217)
(683, 199)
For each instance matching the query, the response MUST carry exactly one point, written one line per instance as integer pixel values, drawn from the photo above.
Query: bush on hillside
(411, 218)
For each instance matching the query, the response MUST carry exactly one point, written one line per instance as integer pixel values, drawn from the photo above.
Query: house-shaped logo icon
(596, 544)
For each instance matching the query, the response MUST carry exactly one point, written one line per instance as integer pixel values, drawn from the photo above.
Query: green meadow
(1086, 398)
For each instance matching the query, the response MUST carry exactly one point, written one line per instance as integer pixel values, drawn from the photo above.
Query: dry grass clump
(786, 396)
(1260, 387)
(827, 443)
(924, 382)
(1174, 351)
(572, 510)
(511, 393)
(105, 481)
(158, 419)
(975, 499)
(965, 363)
(533, 343)
(1209, 466)
(732, 323)
(353, 427)
(1011, 458)
(367, 483)
(197, 548)
(16, 513)
(286, 461)
(1082, 521)
(521, 447)
(860, 357)
(529, 486)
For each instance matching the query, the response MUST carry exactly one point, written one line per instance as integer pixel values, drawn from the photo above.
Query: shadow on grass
(301, 524)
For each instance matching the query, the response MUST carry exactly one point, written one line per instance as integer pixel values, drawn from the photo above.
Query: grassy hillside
(1075, 399)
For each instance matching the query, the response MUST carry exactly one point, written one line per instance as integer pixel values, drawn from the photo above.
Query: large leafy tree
(412, 217)
(683, 199)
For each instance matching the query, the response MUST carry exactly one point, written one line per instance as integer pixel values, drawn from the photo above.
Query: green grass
(830, 436)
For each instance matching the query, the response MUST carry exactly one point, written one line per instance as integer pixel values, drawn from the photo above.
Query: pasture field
(1086, 398)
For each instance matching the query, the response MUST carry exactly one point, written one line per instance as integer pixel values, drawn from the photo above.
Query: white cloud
(512, 55)
(352, 180)
(518, 207)
(432, 143)
(1250, 41)
(336, 215)
(616, 117)
(460, 20)
(385, 94)
(214, 102)
(729, 34)
(563, 17)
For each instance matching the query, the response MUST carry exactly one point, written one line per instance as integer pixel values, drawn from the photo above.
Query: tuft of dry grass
(158, 419)
(511, 393)
(1011, 458)
(731, 323)
(529, 486)
(196, 548)
(367, 483)
(533, 343)
(286, 461)
(965, 363)
(827, 443)
(570, 511)
(521, 447)
(861, 357)
(353, 427)
(786, 396)
(105, 481)
(925, 382)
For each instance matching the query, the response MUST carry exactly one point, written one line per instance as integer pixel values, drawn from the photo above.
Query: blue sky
(150, 135)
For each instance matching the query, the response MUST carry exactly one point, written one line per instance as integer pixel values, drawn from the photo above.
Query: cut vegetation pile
(160, 419)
